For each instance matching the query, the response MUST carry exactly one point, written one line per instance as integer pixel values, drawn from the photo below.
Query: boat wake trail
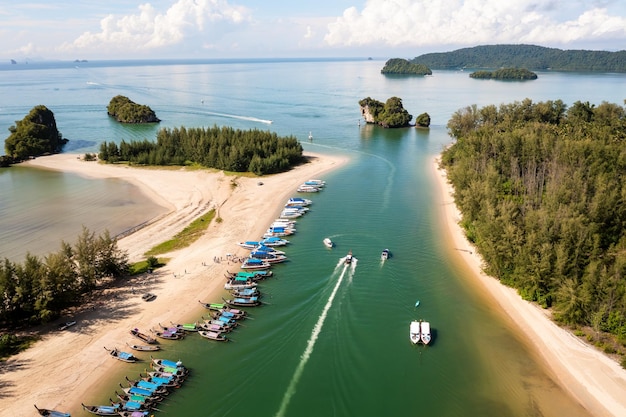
(234, 116)
(291, 389)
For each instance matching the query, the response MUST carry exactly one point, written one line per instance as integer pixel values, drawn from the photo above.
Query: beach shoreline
(596, 381)
(245, 207)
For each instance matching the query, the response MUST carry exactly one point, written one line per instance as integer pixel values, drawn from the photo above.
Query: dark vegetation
(389, 114)
(505, 74)
(404, 66)
(423, 120)
(36, 134)
(37, 290)
(542, 189)
(127, 111)
(222, 148)
(526, 56)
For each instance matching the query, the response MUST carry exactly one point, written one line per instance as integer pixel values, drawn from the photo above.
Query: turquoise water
(332, 341)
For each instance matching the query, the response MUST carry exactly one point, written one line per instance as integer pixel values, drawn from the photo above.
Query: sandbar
(73, 361)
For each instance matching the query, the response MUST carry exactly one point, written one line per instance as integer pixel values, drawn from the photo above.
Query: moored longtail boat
(186, 327)
(144, 348)
(220, 337)
(167, 335)
(103, 410)
(222, 307)
(142, 336)
(122, 356)
(51, 413)
(243, 302)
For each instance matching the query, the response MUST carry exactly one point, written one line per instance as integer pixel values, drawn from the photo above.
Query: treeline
(127, 111)
(404, 66)
(37, 290)
(505, 74)
(542, 189)
(225, 148)
(526, 56)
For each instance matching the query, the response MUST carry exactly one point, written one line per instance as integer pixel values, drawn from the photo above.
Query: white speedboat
(315, 183)
(414, 332)
(349, 258)
(298, 201)
(425, 332)
(384, 255)
(328, 243)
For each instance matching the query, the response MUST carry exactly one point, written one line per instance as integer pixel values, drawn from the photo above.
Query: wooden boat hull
(102, 410)
(145, 348)
(144, 337)
(51, 413)
(220, 337)
(122, 356)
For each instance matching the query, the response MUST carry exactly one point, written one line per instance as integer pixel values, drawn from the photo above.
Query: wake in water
(291, 389)
(234, 116)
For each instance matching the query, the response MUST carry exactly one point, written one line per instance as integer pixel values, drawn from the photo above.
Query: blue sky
(122, 29)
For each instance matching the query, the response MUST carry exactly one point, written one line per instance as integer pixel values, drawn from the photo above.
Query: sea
(331, 340)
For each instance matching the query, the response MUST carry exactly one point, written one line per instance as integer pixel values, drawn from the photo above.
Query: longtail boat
(122, 356)
(142, 336)
(51, 413)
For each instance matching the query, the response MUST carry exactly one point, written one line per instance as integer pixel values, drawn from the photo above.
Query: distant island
(505, 74)
(526, 56)
(127, 111)
(405, 67)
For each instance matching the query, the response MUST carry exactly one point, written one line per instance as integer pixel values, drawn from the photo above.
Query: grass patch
(143, 266)
(185, 237)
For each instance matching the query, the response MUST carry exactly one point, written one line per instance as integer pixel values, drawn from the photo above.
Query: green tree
(34, 135)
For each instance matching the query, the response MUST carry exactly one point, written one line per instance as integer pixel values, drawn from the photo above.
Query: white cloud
(149, 29)
(413, 23)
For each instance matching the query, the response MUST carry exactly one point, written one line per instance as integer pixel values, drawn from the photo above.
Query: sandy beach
(74, 360)
(594, 379)
(76, 354)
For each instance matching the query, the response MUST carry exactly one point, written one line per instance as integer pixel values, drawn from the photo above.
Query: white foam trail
(291, 389)
(234, 116)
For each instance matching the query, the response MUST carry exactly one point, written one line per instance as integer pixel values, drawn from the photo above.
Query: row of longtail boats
(140, 397)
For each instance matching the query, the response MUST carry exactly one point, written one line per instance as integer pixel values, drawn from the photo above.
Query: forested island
(405, 67)
(388, 114)
(224, 148)
(127, 111)
(505, 74)
(525, 56)
(541, 187)
(36, 134)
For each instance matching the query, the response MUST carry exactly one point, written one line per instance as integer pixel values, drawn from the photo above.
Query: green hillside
(531, 57)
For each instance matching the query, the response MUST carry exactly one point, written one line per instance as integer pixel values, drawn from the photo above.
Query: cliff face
(367, 115)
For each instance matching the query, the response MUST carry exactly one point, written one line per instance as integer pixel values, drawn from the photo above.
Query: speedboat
(425, 332)
(414, 332)
(349, 258)
(384, 255)
(315, 183)
(298, 201)
(274, 241)
(254, 263)
(328, 243)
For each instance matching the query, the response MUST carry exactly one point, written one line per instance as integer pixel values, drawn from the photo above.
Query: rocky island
(405, 67)
(127, 111)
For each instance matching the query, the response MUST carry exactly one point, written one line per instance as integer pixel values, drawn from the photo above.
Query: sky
(210, 29)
